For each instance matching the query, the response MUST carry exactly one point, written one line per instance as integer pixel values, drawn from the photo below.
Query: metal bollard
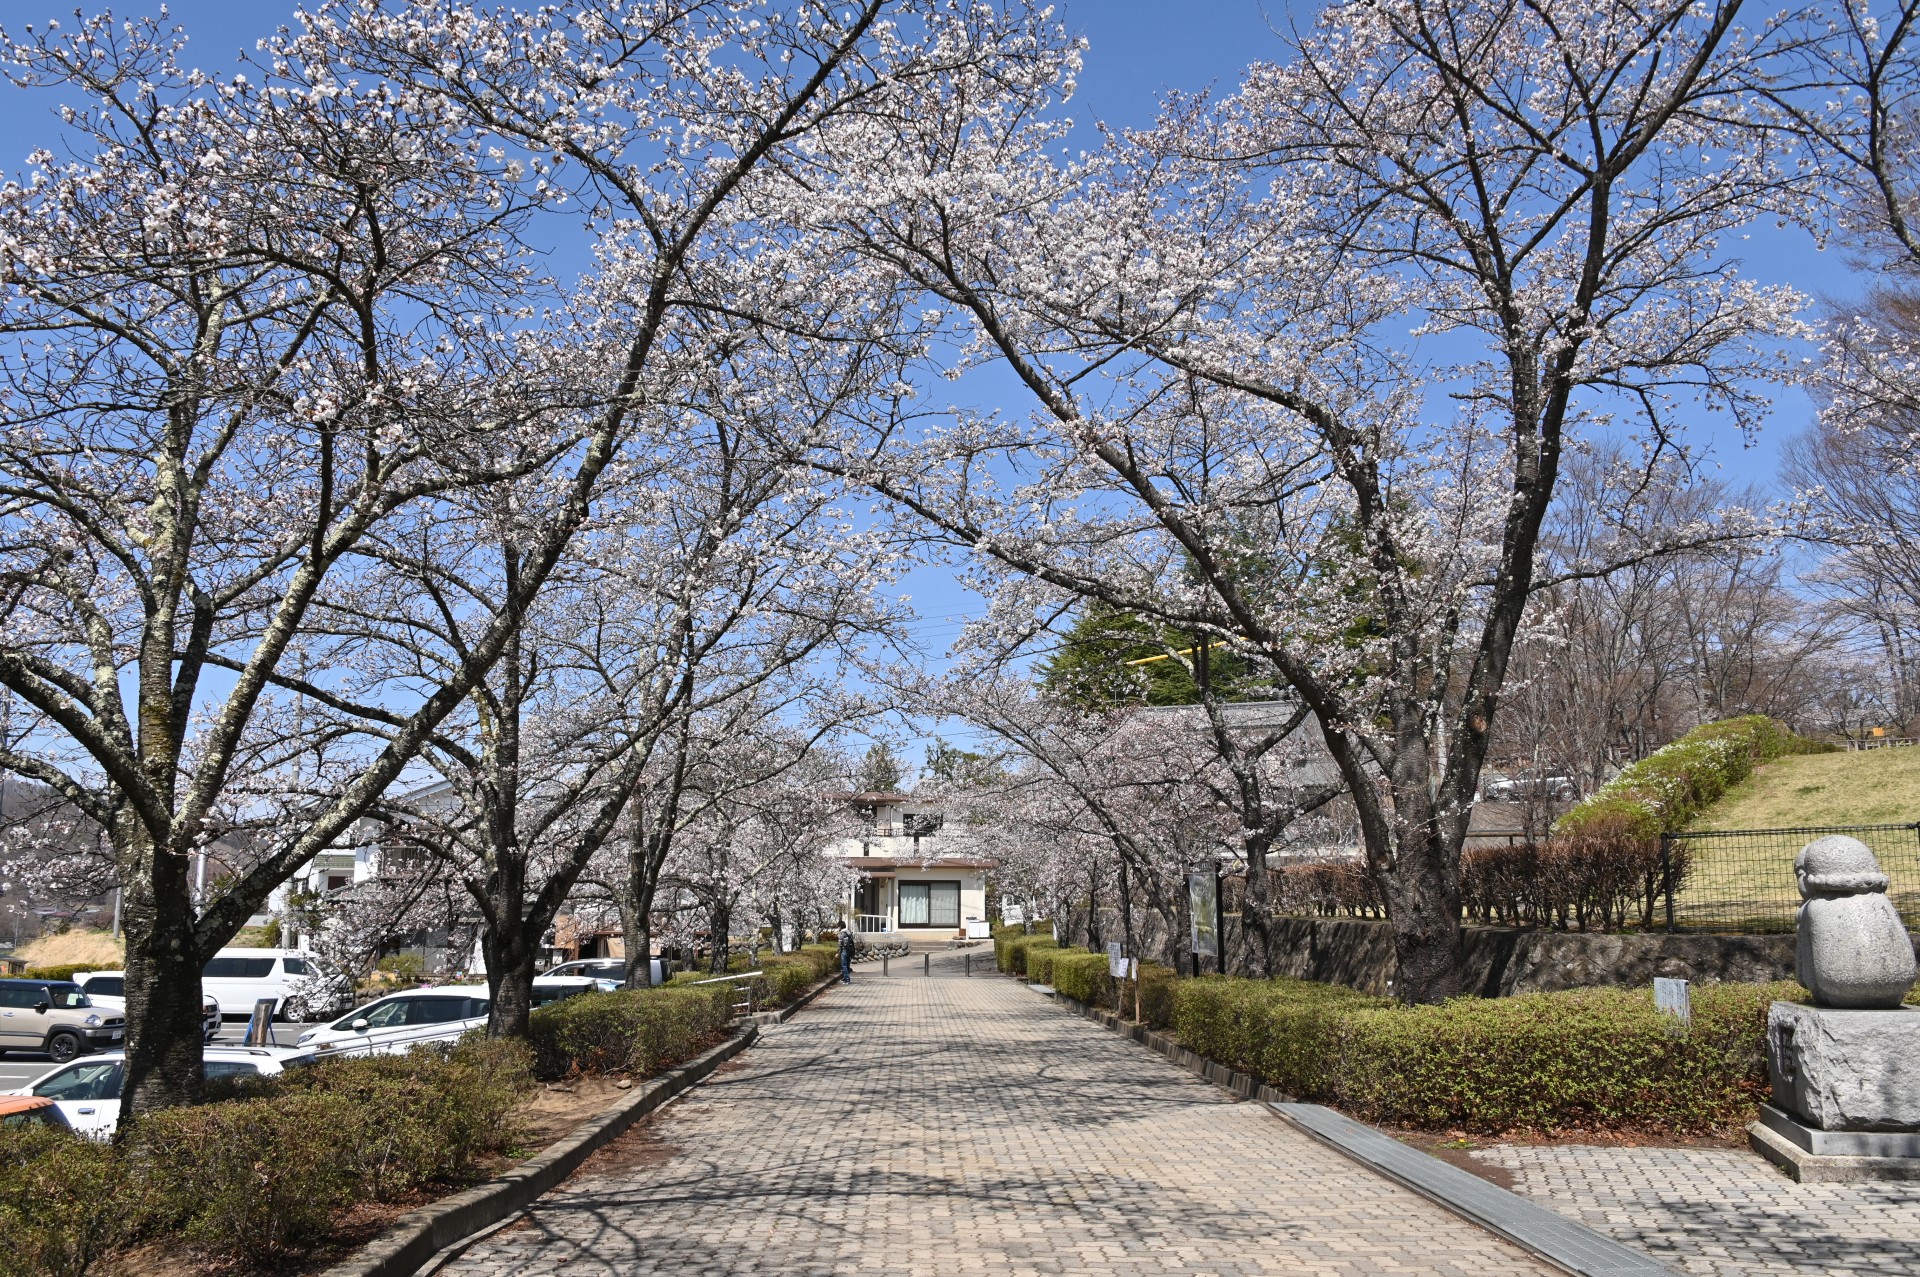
(969, 964)
(926, 964)
(884, 958)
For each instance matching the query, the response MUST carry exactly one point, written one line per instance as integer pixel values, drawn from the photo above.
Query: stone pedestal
(1814, 1156)
(1845, 1070)
(1846, 1093)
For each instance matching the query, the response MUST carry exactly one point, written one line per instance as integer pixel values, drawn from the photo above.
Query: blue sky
(1138, 50)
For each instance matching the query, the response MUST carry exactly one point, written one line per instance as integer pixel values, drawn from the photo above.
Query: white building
(917, 878)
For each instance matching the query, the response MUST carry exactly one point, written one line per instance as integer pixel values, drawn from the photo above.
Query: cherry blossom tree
(1304, 362)
(235, 340)
(1132, 798)
(263, 315)
(721, 570)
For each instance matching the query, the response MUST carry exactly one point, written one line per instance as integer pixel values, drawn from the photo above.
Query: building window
(929, 904)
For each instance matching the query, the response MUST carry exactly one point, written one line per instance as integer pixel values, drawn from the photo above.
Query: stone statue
(1845, 1071)
(1852, 949)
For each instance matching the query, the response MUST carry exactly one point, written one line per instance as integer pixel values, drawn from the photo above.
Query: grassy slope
(1749, 883)
(1873, 787)
(78, 945)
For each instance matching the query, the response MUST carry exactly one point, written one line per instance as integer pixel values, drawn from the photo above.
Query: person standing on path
(846, 955)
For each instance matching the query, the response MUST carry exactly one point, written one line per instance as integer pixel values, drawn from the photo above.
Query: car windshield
(93, 1080)
(378, 1015)
(67, 995)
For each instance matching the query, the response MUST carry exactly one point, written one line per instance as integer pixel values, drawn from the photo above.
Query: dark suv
(55, 1016)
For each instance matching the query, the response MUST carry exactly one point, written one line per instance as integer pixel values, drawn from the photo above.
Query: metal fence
(1742, 879)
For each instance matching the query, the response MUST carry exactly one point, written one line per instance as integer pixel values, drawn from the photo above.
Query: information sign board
(1202, 911)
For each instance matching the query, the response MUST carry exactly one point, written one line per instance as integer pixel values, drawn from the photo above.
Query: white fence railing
(745, 980)
(1883, 742)
(872, 922)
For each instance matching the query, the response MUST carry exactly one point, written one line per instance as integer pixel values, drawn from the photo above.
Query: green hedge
(1087, 977)
(1040, 960)
(1586, 1059)
(641, 1032)
(1011, 954)
(263, 1175)
(65, 970)
(1665, 790)
(1004, 934)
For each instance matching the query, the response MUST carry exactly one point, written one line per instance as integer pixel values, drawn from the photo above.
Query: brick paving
(1722, 1211)
(934, 1126)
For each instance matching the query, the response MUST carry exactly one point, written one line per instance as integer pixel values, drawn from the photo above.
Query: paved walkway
(1722, 1212)
(934, 1126)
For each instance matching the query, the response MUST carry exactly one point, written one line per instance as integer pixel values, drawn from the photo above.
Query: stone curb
(419, 1236)
(1562, 1242)
(1545, 1234)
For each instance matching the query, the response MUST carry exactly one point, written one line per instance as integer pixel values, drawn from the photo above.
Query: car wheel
(62, 1047)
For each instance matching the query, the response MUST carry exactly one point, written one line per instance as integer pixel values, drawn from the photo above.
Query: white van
(109, 989)
(238, 978)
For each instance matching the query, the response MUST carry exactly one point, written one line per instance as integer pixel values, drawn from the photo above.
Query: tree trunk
(164, 1060)
(636, 920)
(1423, 904)
(720, 921)
(509, 940)
(510, 962)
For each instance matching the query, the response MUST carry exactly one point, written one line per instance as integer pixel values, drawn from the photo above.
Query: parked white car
(237, 978)
(109, 989)
(548, 989)
(400, 1021)
(87, 1092)
(609, 973)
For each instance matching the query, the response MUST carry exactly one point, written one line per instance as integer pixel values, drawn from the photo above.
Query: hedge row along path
(913, 1125)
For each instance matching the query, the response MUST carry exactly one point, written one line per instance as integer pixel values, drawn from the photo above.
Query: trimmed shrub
(1158, 987)
(641, 1032)
(64, 970)
(1004, 933)
(1281, 1031)
(1665, 790)
(823, 958)
(1087, 977)
(1013, 954)
(63, 1202)
(1586, 1059)
(1083, 976)
(788, 975)
(1602, 875)
(260, 1176)
(431, 1114)
(257, 1179)
(1327, 889)
(1040, 960)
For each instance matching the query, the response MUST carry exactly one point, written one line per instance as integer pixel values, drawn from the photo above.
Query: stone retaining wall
(1358, 952)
